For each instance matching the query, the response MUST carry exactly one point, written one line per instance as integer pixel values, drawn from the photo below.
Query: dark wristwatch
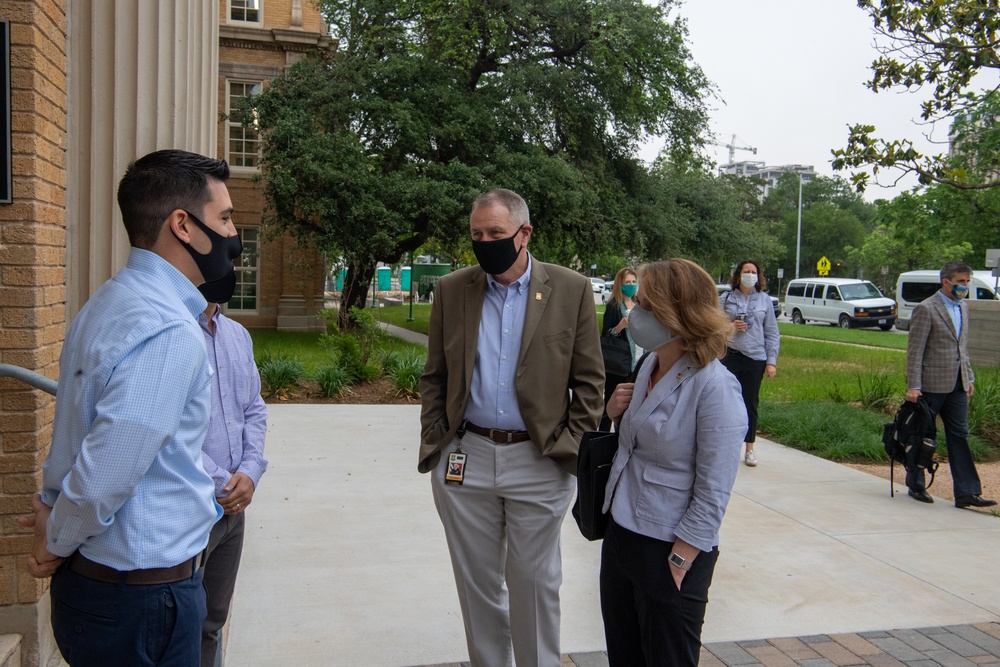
(678, 560)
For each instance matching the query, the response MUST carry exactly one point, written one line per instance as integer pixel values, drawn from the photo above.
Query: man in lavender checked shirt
(233, 454)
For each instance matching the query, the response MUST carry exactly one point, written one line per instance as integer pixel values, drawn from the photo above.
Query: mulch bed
(376, 392)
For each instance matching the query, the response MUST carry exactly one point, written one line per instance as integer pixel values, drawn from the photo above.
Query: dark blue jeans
(953, 408)
(99, 624)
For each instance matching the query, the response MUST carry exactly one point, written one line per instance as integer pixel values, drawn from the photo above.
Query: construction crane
(733, 148)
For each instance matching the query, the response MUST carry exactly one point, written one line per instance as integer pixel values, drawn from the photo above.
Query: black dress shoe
(922, 496)
(974, 501)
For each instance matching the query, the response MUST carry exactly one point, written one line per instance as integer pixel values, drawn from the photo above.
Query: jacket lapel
(942, 312)
(538, 299)
(475, 295)
(678, 373)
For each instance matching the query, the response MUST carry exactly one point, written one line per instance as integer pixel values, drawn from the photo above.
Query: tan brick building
(94, 84)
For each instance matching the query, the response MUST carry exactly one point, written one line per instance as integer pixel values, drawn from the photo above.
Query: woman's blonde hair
(616, 290)
(684, 299)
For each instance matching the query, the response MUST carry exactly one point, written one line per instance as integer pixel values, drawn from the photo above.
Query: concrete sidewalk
(345, 561)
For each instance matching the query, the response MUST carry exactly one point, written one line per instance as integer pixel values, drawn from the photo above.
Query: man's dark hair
(157, 184)
(949, 270)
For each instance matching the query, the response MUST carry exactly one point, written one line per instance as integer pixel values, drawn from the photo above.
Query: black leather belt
(496, 435)
(156, 575)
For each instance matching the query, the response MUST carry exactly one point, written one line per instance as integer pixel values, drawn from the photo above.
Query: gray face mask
(647, 331)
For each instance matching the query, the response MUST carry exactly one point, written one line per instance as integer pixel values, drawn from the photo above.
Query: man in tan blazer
(514, 376)
(938, 369)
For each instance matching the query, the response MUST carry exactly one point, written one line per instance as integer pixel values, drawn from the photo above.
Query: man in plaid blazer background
(938, 369)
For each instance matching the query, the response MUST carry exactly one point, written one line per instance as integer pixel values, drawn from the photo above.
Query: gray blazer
(934, 353)
(678, 454)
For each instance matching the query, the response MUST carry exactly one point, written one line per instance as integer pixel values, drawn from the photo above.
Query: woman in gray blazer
(671, 479)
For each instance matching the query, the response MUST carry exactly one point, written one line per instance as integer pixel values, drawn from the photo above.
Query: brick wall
(32, 271)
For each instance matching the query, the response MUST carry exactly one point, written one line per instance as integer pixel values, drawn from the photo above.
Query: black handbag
(597, 450)
(617, 355)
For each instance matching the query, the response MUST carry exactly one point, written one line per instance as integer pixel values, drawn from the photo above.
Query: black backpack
(910, 440)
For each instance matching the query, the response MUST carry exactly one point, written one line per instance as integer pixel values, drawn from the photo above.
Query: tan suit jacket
(560, 370)
(934, 352)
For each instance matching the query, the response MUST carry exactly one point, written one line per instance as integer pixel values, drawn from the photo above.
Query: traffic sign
(823, 266)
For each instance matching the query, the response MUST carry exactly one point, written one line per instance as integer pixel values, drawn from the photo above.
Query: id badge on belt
(455, 474)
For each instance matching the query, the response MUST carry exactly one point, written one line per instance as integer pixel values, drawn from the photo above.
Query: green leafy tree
(378, 146)
(943, 46)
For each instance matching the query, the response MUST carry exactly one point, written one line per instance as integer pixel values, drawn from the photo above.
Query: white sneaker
(750, 459)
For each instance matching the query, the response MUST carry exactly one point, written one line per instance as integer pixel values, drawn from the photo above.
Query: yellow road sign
(823, 266)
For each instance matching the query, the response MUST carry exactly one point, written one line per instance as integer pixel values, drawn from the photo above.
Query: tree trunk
(359, 277)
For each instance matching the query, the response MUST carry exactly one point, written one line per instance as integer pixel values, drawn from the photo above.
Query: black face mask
(495, 257)
(221, 290)
(218, 262)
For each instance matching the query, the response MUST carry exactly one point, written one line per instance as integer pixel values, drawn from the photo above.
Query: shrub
(405, 369)
(877, 390)
(279, 374)
(984, 406)
(368, 332)
(333, 380)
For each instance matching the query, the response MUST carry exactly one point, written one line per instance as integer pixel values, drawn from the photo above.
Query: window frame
(231, 125)
(242, 269)
(260, 14)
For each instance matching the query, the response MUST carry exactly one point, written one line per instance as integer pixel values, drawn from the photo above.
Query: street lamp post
(798, 240)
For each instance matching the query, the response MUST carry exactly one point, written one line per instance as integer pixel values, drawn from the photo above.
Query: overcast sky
(790, 77)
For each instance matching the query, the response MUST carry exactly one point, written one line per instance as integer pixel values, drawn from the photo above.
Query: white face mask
(748, 279)
(647, 331)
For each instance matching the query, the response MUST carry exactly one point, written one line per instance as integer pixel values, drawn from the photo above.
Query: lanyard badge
(455, 474)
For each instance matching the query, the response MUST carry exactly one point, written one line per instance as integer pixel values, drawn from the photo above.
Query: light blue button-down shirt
(760, 341)
(955, 310)
(493, 395)
(235, 440)
(124, 475)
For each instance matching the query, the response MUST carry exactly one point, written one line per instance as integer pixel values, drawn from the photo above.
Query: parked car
(598, 284)
(722, 289)
(609, 285)
(847, 302)
(915, 286)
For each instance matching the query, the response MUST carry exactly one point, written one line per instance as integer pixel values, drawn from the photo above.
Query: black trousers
(647, 621)
(749, 372)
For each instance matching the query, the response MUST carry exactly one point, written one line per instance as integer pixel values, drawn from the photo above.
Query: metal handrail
(36, 380)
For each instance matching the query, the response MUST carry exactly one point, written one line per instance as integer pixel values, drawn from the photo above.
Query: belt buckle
(493, 438)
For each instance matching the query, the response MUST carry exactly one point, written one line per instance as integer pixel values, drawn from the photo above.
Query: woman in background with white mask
(753, 345)
(671, 479)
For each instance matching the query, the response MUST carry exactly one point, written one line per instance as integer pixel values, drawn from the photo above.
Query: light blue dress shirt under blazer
(955, 310)
(678, 453)
(235, 439)
(124, 475)
(493, 394)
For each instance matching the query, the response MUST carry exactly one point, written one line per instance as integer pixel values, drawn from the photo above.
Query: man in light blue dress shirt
(126, 505)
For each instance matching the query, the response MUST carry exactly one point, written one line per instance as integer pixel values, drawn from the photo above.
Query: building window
(243, 143)
(244, 11)
(247, 274)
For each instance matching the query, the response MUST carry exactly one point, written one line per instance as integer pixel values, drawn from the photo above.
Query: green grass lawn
(815, 403)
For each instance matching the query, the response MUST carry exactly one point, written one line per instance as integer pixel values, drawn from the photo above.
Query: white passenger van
(912, 287)
(846, 302)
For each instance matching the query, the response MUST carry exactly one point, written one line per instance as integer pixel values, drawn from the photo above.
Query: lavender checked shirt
(235, 439)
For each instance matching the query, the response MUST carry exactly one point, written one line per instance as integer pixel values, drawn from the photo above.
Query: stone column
(142, 77)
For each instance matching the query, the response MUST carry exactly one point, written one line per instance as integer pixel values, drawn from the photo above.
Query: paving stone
(770, 656)
(814, 639)
(752, 643)
(591, 659)
(917, 640)
(875, 634)
(992, 629)
(923, 663)
(815, 662)
(960, 646)
(975, 636)
(793, 648)
(983, 659)
(836, 653)
(708, 659)
(731, 654)
(898, 649)
(883, 660)
(948, 658)
(856, 644)
(935, 630)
